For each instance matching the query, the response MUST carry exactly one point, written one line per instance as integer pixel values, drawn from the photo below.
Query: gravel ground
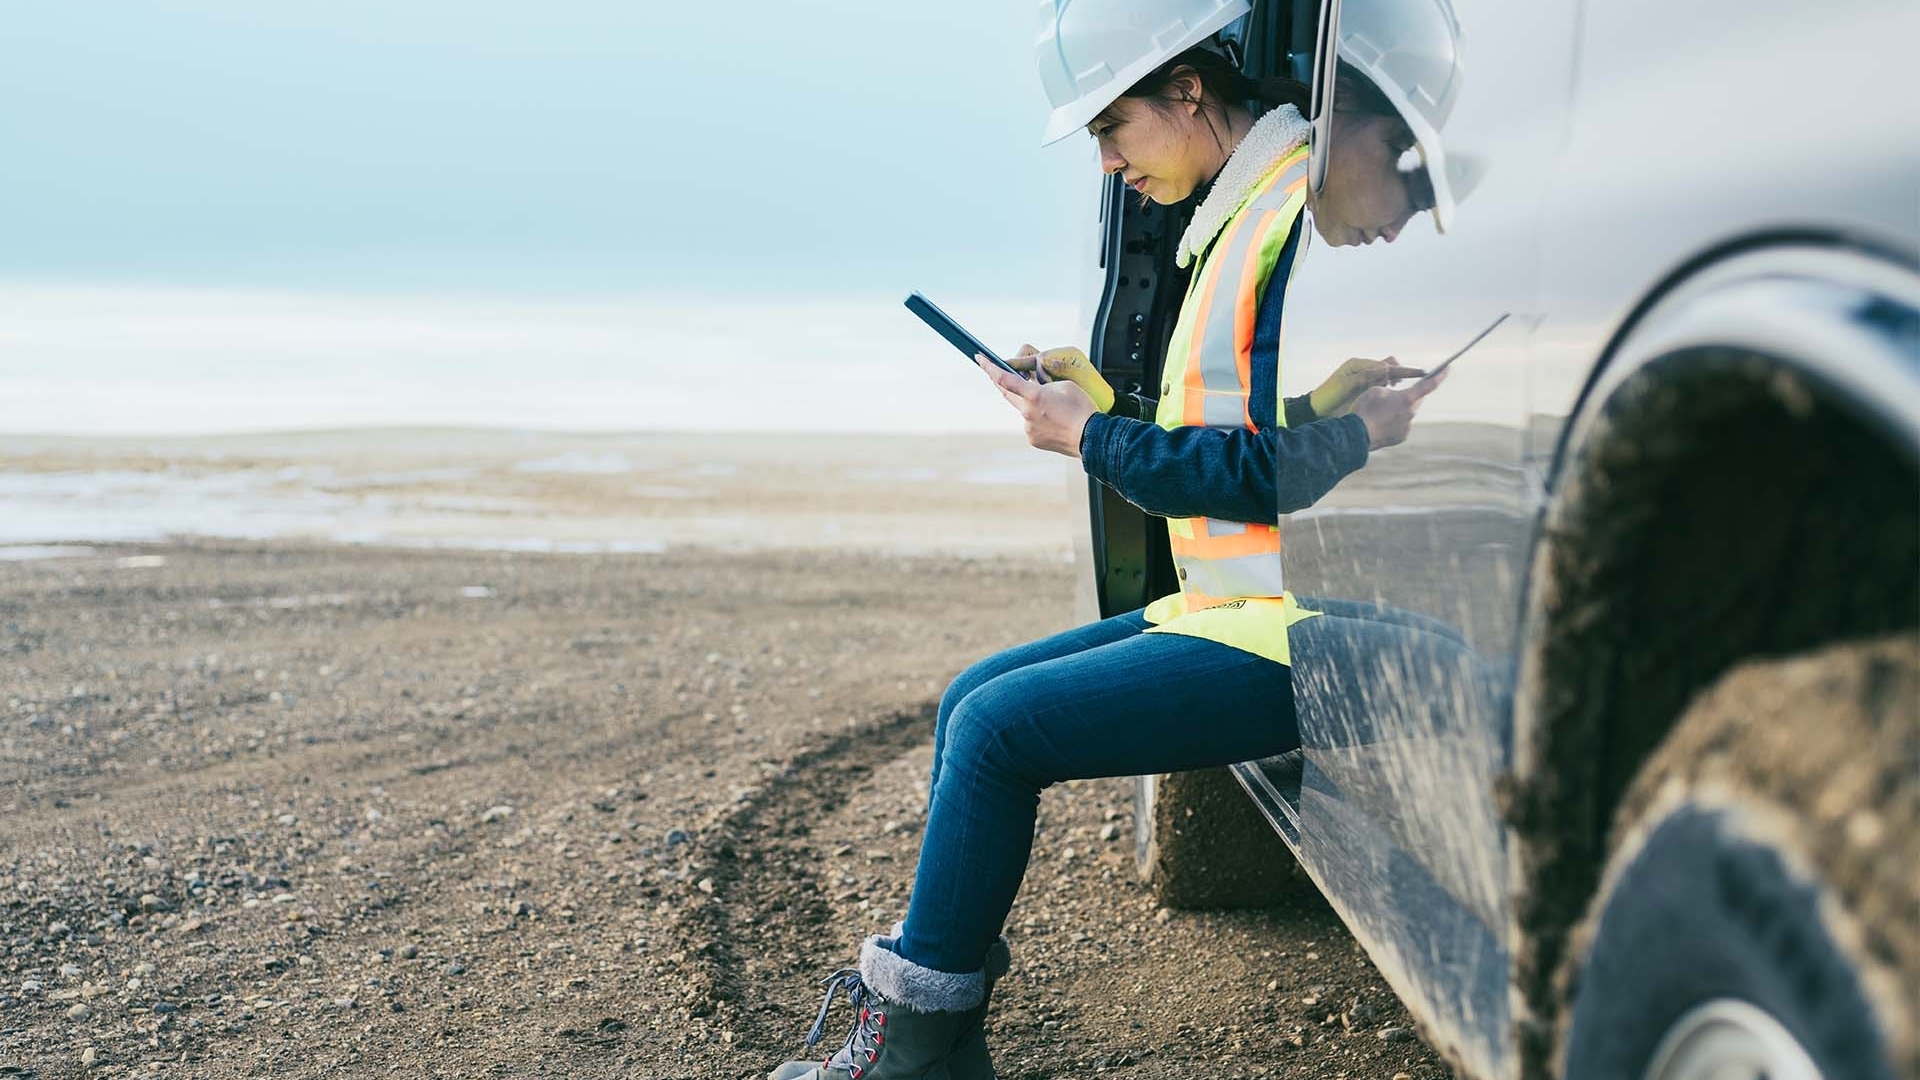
(292, 810)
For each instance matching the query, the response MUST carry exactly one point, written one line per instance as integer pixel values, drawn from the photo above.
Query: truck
(1671, 500)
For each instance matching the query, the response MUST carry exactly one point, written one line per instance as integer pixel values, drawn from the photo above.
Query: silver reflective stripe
(1218, 362)
(1224, 410)
(1248, 575)
(1275, 197)
(1216, 527)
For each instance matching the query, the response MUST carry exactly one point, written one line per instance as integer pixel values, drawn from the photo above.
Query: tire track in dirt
(613, 707)
(821, 853)
(764, 884)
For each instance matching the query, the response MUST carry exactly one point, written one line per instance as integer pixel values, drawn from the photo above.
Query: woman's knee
(956, 691)
(986, 733)
(976, 675)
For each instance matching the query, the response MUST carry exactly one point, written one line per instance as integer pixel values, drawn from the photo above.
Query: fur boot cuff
(924, 989)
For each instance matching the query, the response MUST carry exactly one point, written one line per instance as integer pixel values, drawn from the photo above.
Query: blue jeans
(1108, 699)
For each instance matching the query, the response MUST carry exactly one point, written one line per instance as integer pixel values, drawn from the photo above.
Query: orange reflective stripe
(1197, 600)
(1253, 284)
(1257, 540)
(1246, 315)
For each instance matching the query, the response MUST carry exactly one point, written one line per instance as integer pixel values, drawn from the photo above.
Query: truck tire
(1759, 904)
(1200, 842)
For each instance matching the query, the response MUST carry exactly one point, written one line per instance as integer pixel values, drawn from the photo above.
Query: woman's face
(1367, 196)
(1160, 151)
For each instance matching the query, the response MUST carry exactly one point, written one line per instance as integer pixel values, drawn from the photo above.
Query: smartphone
(1448, 362)
(955, 334)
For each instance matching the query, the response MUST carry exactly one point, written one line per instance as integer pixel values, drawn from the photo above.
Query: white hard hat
(1092, 52)
(1410, 51)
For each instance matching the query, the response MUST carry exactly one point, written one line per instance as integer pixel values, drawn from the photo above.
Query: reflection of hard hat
(1093, 51)
(1410, 51)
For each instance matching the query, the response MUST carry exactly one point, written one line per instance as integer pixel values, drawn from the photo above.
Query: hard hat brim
(1080, 112)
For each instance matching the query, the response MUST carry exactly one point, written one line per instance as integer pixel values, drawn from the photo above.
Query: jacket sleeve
(1235, 475)
(1140, 407)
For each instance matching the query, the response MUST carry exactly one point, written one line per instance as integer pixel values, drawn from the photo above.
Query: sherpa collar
(1272, 137)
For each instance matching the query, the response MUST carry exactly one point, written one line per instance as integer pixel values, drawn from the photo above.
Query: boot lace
(864, 1039)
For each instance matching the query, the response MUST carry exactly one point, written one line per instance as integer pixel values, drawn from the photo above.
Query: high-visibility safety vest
(1230, 580)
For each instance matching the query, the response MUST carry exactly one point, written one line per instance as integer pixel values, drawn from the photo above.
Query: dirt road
(283, 810)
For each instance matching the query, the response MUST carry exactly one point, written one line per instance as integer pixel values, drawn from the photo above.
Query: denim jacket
(1236, 475)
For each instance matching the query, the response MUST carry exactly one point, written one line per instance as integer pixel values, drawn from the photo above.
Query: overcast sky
(560, 147)
(204, 200)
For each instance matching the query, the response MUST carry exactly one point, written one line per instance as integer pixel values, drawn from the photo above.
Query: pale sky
(562, 147)
(234, 159)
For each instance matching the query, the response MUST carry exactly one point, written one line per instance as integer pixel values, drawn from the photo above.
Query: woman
(1201, 678)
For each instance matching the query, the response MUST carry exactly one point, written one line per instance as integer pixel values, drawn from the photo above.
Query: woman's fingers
(1427, 384)
(1054, 413)
(1012, 385)
(1027, 359)
(1068, 367)
(1019, 403)
(1360, 372)
(1382, 372)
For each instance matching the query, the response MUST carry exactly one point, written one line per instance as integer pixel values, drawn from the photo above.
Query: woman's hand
(1056, 413)
(1356, 377)
(1389, 413)
(1070, 364)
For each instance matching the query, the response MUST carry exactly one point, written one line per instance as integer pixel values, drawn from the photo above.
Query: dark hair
(1356, 94)
(1221, 84)
(1353, 92)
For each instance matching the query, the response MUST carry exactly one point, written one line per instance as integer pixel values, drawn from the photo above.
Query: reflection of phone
(944, 325)
(1448, 362)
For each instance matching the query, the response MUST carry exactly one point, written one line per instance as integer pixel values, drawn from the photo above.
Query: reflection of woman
(1200, 678)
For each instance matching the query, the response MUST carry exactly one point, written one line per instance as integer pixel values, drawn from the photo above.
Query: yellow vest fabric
(1231, 588)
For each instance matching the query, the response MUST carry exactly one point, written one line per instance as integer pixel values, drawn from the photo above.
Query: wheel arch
(1745, 458)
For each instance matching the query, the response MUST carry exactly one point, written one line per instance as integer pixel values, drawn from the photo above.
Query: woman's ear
(1185, 84)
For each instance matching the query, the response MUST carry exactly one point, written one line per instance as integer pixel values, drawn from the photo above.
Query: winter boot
(970, 1059)
(908, 1020)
